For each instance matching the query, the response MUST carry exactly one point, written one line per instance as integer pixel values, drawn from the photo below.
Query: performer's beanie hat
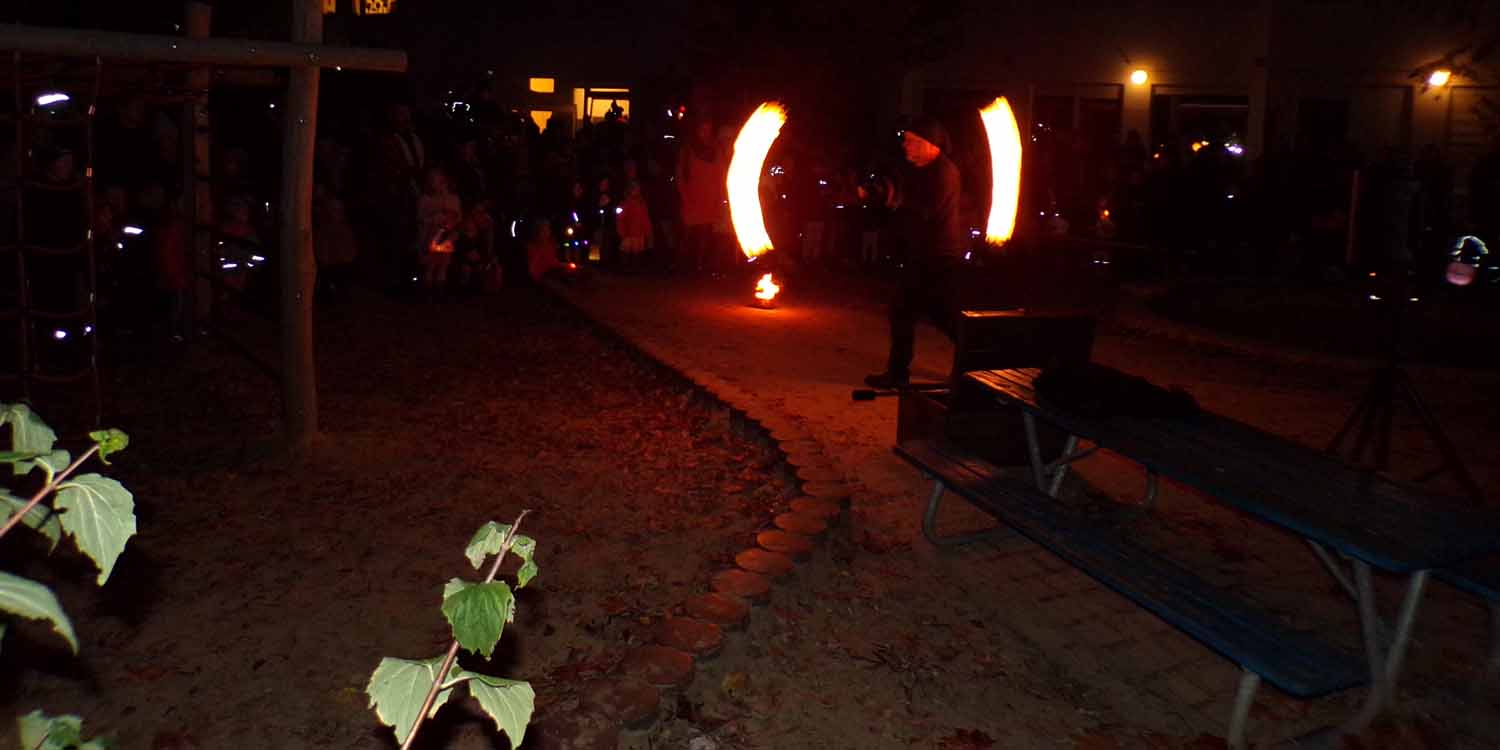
(930, 130)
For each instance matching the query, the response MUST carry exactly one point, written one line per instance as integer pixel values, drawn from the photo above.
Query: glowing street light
(1139, 76)
(1439, 78)
(52, 97)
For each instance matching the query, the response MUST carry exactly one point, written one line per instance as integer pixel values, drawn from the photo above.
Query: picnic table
(1353, 520)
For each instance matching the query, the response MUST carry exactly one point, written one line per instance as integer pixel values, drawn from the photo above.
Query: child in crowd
(634, 225)
(541, 250)
(334, 244)
(478, 268)
(438, 212)
(171, 258)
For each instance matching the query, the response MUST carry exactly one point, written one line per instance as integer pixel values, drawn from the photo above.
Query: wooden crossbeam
(114, 45)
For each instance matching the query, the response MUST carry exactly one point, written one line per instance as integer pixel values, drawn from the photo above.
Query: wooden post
(299, 386)
(114, 45)
(198, 166)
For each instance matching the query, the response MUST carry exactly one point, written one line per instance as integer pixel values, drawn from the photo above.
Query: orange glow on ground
(1005, 168)
(743, 184)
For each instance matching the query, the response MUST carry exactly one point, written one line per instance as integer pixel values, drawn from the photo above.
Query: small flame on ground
(743, 183)
(1005, 167)
(766, 289)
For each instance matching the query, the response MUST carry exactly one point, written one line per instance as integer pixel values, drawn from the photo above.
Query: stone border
(629, 698)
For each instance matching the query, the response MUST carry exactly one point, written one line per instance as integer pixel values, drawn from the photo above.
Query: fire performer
(925, 201)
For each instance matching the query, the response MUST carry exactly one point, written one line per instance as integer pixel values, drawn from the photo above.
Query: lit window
(543, 85)
(541, 117)
(374, 7)
(599, 108)
(330, 6)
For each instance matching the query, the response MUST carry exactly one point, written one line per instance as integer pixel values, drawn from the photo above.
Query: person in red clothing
(701, 171)
(170, 260)
(634, 225)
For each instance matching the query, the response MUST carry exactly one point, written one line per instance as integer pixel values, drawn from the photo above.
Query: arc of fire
(743, 183)
(1005, 167)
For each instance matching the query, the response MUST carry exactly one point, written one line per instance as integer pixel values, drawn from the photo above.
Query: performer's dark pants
(927, 288)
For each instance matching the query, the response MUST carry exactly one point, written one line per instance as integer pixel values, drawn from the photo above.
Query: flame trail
(750, 150)
(1005, 167)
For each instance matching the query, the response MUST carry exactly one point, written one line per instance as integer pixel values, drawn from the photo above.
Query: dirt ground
(262, 591)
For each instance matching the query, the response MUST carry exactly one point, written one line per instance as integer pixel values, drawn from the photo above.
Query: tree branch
(48, 489)
(452, 656)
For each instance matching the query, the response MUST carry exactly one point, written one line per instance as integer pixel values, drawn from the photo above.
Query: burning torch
(743, 183)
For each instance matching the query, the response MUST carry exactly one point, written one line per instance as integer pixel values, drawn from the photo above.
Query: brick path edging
(732, 594)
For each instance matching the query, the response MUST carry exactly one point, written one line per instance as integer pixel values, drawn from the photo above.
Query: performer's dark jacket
(926, 219)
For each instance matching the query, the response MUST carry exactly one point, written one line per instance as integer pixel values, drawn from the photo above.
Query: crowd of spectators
(454, 198)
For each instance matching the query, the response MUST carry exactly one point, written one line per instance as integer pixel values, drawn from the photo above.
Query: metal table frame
(1385, 661)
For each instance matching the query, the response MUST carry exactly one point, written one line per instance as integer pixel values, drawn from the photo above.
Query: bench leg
(929, 524)
(1059, 467)
(1385, 665)
(1243, 698)
(1034, 448)
(1494, 637)
(1334, 569)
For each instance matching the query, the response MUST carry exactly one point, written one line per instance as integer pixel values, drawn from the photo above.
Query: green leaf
(16, 457)
(32, 600)
(99, 514)
(508, 702)
(525, 548)
(53, 462)
(109, 441)
(487, 541)
(28, 433)
(40, 517)
(397, 689)
(478, 613)
(42, 732)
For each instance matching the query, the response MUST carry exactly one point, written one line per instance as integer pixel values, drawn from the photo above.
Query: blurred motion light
(1439, 77)
(1004, 138)
(1139, 76)
(742, 182)
(52, 97)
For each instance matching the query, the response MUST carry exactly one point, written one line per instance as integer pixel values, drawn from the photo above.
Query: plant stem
(47, 490)
(442, 676)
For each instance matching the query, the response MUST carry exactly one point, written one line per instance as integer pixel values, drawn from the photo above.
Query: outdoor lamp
(1139, 76)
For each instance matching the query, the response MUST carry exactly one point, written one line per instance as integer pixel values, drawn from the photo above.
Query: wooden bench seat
(1259, 642)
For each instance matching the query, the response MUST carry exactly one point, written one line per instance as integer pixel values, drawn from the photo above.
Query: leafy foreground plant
(39, 732)
(404, 693)
(96, 512)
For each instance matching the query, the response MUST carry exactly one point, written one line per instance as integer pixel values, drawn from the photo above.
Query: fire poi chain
(743, 184)
(763, 127)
